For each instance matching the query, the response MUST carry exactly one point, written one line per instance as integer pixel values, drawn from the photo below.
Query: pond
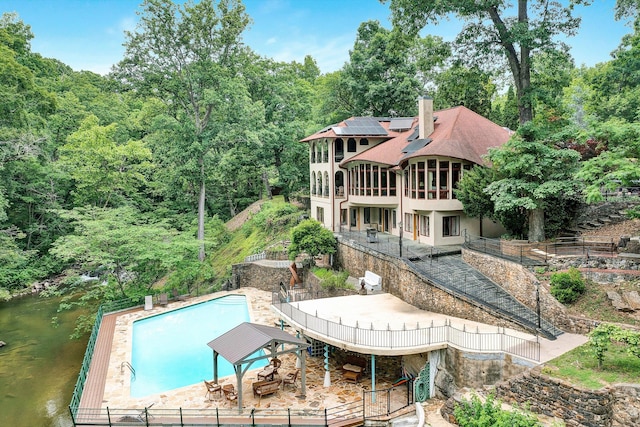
(39, 365)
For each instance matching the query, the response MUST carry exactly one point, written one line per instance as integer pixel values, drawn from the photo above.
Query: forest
(132, 175)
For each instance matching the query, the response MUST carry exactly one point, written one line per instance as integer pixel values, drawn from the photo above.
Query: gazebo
(240, 344)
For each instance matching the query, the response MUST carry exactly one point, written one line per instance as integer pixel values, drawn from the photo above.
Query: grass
(595, 304)
(272, 224)
(580, 367)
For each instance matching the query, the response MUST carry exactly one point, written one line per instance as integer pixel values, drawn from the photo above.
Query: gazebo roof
(245, 339)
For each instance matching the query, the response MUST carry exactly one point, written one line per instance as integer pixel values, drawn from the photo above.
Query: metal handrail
(408, 336)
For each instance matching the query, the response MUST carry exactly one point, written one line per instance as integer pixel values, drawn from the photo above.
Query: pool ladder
(128, 365)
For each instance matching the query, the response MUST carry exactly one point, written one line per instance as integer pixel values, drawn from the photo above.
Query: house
(392, 173)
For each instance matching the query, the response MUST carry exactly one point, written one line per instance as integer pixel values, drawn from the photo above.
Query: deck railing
(411, 336)
(539, 253)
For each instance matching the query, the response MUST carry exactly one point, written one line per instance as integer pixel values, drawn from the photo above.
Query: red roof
(458, 132)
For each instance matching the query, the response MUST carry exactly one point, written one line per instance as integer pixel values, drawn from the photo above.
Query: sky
(88, 34)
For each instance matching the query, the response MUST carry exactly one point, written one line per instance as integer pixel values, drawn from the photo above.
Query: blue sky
(88, 34)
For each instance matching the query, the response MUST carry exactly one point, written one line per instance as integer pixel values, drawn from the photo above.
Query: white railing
(413, 336)
(256, 257)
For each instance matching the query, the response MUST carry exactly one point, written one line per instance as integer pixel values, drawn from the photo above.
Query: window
(313, 184)
(408, 222)
(431, 179)
(424, 225)
(364, 141)
(320, 214)
(392, 184)
(393, 219)
(354, 217)
(313, 152)
(325, 152)
(338, 146)
(367, 215)
(326, 185)
(351, 145)
(455, 176)
(444, 180)
(420, 180)
(375, 180)
(343, 217)
(451, 226)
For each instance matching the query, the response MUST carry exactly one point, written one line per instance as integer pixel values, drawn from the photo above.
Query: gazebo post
(238, 369)
(215, 366)
(303, 367)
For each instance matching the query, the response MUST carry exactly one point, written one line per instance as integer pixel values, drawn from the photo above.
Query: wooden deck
(93, 392)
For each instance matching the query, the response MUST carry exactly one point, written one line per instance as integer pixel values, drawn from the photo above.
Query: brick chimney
(425, 116)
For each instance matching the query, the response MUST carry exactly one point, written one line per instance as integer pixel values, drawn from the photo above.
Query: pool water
(170, 350)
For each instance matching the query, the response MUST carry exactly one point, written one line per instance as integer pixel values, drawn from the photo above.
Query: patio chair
(212, 388)
(276, 363)
(290, 379)
(177, 296)
(163, 299)
(230, 393)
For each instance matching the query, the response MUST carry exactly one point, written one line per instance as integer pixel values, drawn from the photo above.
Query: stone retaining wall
(259, 276)
(614, 406)
(400, 280)
(522, 284)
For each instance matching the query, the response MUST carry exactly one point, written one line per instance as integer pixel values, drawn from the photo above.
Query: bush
(312, 238)
(330, 279)
(475, 413)
(567, 287)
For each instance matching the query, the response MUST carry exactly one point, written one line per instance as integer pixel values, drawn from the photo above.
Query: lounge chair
(290, 379)
(212, 388)
(139, 417)
(163, 300)
(177, 296)
(230, 393)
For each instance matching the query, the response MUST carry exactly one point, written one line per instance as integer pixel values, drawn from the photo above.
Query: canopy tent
(239, 344)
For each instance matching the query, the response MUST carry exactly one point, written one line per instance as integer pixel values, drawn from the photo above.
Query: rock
(2, 343)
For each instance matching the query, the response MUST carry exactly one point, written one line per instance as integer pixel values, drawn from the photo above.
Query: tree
(105, 173)
(490, 33)
(471, 87)
(529, 175)
(187, 56)
(381, 79)
(132, 251)
(311, 238)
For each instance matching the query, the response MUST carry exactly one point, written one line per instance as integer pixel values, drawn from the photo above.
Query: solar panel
(361, 126)
(416, 145)
(401, 123)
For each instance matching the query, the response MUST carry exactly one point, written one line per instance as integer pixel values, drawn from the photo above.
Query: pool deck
(108, 381)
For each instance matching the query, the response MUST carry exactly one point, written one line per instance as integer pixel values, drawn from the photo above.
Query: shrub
(567, 286)
(330, 279)
(475, 413)
(312, 238)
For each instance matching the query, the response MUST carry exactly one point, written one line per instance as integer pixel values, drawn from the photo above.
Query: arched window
(364, 141)
(326, 185)
(313, 184)
(320, 184)
(351, 145)
(339, 183)
(338, 146)
(325, 152)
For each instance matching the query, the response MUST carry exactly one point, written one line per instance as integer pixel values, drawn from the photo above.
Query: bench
(353, 368)
(371, 281)
(263, 388)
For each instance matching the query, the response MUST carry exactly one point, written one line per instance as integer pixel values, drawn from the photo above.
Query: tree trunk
(201, 254)
(536, 225)
(267, 187)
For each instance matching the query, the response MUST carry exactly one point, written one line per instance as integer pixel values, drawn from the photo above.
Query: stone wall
(400, 280)
(461, 369)
(260, 276)
(522, 284)
(614, 406)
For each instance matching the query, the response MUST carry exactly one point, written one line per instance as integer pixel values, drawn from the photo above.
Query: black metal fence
(383, 403)
(527, 253)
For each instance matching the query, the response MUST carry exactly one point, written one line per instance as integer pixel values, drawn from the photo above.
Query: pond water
(40, 364)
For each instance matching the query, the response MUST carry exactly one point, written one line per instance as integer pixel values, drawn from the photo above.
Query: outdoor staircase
(457, 277)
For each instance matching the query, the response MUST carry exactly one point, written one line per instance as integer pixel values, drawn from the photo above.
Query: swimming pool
(170, 350)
